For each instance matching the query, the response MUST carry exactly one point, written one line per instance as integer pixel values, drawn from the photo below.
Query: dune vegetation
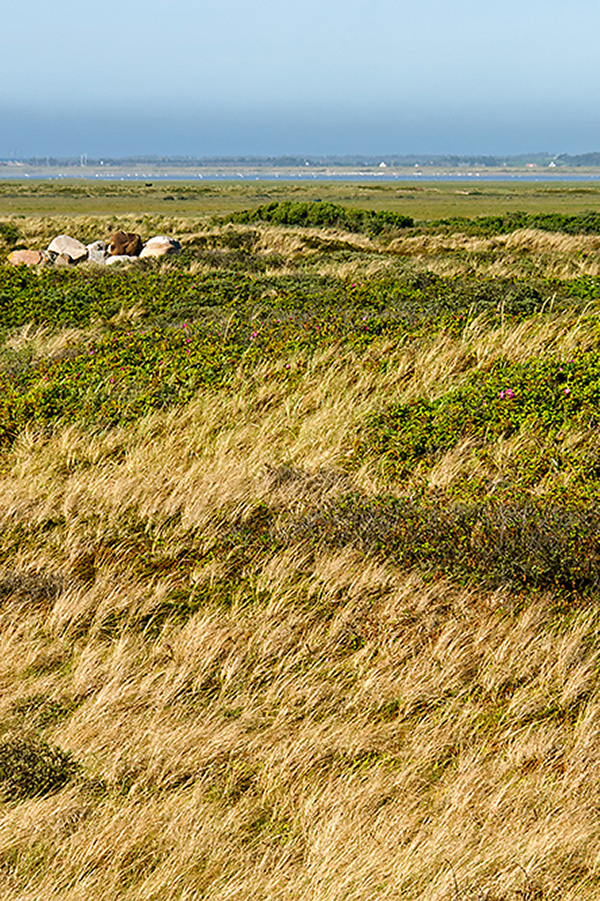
(300, 560)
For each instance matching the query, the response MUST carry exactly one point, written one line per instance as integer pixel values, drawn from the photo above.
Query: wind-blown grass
(286, 611)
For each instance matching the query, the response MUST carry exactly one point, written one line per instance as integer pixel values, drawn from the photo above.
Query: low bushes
(321, 215)
(525, 544)
(544, 395)
(585, 223)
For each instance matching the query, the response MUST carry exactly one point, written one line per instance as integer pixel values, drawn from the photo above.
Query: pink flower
(566, 391)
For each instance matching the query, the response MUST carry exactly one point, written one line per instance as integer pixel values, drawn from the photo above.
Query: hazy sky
(305, 77)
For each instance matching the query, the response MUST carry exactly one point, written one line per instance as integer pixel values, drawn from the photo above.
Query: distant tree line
(448, 161)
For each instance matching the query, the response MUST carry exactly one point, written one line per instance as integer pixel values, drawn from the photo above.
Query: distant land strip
(532, 160)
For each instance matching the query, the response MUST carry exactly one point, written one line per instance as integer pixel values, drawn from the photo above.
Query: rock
(159, 246)
(71, 246)
(125, 244)
(63, 259)
(97, 252)
(25, 258)
(119, 258)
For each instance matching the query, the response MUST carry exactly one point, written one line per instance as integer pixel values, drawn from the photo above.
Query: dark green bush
(29, 588)
(585, 223)
(317, 214)
(30, 767)
(9, 233)
(526, 544)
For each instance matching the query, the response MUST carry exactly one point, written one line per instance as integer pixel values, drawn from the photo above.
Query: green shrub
(9, 233)
(543, 395)
(321, 215)
(30, 767)
(34, 589)
(525, 544)
(585, 223)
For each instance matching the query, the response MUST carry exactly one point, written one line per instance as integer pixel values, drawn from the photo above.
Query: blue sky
(271, 77)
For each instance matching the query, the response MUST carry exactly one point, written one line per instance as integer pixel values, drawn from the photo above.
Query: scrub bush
(30, 767)
(322, 215)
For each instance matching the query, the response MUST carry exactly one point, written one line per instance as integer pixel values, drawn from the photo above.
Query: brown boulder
(25, 258)
(125, 244)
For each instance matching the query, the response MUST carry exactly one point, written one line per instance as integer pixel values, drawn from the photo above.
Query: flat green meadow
(418, 198)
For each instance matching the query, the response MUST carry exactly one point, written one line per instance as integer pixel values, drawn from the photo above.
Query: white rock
(159, 246)
(73, 248)
(63, 259)
(120, 258)
(97, 252)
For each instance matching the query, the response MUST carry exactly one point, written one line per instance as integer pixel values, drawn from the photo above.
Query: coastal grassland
(299, 567)
(418, 198)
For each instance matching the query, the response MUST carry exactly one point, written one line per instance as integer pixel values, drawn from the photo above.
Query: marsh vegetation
(300, 558)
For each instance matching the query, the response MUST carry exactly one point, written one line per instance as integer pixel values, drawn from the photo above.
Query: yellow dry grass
(332, 728)
(333, 252)
(38, 231)
(524, 252)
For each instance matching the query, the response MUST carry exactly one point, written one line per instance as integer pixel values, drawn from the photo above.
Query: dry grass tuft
(522, 253)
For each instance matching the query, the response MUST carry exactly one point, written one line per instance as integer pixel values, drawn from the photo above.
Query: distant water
(307, 176)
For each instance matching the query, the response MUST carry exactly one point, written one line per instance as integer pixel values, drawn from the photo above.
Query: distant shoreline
(21, 172)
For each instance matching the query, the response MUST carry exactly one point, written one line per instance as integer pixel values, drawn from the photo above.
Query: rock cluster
(121, 247)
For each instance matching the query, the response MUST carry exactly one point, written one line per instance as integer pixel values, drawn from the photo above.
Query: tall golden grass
(323, 726)
(332, 252)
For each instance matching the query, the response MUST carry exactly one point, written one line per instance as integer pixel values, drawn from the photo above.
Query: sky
(301, 77)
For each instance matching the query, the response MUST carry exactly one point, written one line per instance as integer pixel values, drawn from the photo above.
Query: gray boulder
(73, 248)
